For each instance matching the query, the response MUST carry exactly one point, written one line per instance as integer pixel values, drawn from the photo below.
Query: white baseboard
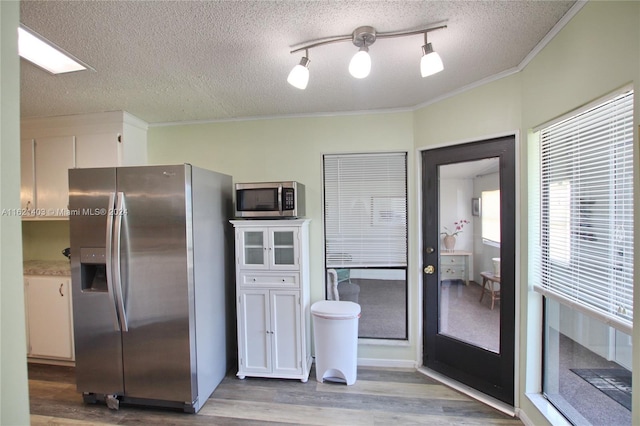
(387, 363)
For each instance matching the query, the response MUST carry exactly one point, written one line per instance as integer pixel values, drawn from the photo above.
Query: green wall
(291, 149)
(14, 402)
(595, 53)
(45, 240)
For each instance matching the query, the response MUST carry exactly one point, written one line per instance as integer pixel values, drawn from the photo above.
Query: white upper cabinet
(97, 150)
(54, 157)
(27, 176)
(53, 145)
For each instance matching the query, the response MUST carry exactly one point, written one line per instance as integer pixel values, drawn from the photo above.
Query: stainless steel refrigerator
(150, 249)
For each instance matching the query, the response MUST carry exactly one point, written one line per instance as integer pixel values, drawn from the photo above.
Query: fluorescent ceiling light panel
(34, 48)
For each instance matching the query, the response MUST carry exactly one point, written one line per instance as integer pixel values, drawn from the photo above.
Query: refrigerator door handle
(109, 259)
(118, 213)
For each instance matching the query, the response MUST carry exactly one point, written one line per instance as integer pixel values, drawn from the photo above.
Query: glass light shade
(430, 62)
(44, 55)
(299, 75)
(360, 65)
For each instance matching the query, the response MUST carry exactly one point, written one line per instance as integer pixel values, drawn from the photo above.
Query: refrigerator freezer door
(157, 282)
(98, 344)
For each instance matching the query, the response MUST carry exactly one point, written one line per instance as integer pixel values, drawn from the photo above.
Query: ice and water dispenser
(93, 269)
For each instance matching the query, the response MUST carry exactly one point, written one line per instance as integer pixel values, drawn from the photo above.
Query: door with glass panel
(468, 254)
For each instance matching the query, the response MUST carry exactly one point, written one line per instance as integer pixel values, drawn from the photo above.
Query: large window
(365, 217)
(491, 216)
(583, 260)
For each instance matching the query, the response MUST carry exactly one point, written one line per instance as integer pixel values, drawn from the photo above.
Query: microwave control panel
(288, 199)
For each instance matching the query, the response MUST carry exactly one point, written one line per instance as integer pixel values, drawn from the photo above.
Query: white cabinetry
(53, 145)
(272, 283)
(49, 317)
(53, 158)
(456, 265)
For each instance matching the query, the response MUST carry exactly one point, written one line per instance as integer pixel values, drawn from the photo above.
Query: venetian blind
(365, 210)
(585, 257)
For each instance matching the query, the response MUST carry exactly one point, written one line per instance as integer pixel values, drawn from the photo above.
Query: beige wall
(14, 403)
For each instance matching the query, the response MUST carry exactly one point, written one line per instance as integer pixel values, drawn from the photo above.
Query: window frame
(375, 203)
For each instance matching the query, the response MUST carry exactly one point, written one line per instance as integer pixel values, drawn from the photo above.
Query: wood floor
(379, 397)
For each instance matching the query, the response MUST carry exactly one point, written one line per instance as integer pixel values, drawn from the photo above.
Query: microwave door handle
(118, 213)
(280, 199)
(109, 260)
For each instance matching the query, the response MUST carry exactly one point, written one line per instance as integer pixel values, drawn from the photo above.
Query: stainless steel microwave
(270, 200)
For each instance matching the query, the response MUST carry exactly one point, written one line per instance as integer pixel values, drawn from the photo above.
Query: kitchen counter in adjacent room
(47, 267)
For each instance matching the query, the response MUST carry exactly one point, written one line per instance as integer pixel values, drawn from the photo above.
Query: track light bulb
(299, 75)
(360, 65)
(430, 62)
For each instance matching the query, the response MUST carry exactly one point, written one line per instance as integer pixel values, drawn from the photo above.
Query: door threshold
(470, 392)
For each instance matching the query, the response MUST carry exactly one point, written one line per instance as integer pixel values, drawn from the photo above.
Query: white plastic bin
(335, 332)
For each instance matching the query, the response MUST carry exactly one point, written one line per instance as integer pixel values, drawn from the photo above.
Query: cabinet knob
(60, 290)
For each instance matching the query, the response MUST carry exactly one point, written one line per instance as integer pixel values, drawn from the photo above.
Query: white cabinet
(27, 175)
(53, 145)
(45, 193)
(53, 159)
(49, 317)
(97, 150)
(269, 320)
(272, 287)
(456, 265)
(269, 248)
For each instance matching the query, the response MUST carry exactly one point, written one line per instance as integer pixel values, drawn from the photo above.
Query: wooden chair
(490, 284)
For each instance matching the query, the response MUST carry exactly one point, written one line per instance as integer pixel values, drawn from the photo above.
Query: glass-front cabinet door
(283, 250)
(254, 248)
(269, 248)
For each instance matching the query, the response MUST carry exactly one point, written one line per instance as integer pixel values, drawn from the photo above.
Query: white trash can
(335, 332)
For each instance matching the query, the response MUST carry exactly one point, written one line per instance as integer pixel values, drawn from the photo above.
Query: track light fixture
(299, 75)
(360, 65)
(430, 62)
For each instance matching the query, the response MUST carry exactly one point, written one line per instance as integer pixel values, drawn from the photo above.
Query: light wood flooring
(379, 397)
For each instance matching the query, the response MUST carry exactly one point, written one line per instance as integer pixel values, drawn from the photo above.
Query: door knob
(430, 250)
(429, 269)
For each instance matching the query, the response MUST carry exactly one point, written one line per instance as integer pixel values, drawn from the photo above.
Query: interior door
(469, 283)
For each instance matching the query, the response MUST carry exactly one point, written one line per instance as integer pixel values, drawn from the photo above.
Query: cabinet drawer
(269, 280)
(452, 260)
(453, 271)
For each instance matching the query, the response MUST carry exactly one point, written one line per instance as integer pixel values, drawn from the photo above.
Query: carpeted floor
(383, 305)
(613, 382)
(581, 401)
(464, 317)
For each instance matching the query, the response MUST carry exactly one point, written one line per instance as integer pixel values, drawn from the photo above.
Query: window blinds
(365, 210)
(585, 256)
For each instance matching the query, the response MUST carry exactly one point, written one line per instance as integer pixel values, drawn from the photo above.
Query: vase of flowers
(449, 237)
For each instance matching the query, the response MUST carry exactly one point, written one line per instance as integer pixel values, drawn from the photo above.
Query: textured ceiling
(175, 61)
